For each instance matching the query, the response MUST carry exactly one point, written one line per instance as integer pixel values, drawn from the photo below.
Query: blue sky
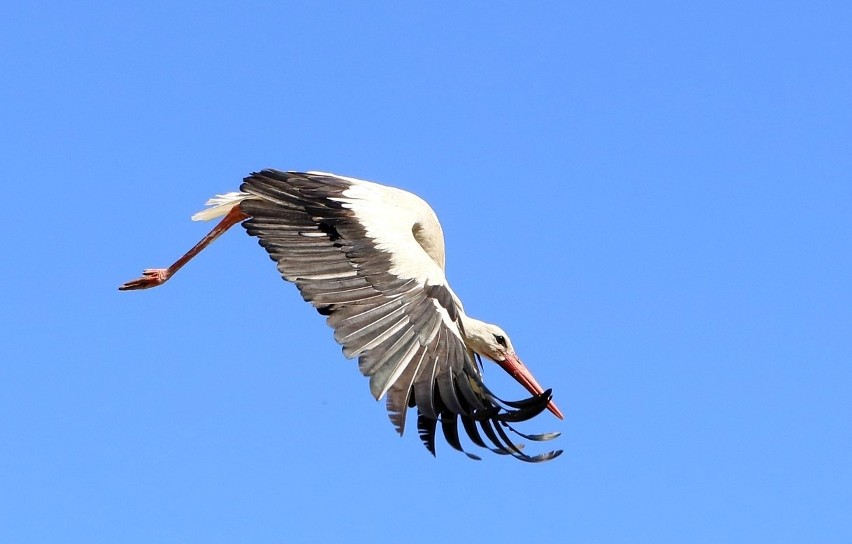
(654, 200)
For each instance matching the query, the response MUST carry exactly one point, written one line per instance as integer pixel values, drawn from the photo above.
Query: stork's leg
(153, 277)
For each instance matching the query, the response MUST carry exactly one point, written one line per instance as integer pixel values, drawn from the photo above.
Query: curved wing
(349, 247)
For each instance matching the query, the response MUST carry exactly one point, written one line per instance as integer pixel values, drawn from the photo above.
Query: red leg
(153, 277)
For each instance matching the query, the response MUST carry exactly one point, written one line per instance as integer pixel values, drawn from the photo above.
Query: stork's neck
(476, 334)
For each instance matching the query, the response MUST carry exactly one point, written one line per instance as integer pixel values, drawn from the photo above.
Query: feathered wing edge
(391, 324)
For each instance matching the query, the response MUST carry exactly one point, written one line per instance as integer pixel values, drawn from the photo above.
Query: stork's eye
(500, 340)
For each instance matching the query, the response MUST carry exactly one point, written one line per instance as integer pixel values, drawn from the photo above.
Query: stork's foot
(151, 277)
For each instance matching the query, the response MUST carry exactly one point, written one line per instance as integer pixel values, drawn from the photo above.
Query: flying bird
(370, 258)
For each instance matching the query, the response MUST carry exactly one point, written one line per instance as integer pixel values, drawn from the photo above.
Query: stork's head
(491, 341)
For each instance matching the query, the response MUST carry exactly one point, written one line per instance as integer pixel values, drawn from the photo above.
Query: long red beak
(520, 372)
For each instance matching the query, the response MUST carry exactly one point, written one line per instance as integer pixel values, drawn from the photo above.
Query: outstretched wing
(349, 246)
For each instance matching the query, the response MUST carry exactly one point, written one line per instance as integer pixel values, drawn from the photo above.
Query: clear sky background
(653, 199)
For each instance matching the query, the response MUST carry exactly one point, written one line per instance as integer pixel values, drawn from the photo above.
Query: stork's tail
(220, 205)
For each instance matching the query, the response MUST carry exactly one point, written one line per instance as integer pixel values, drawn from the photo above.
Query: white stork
(371, 259)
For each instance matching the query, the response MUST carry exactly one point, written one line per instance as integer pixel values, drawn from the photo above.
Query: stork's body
(371, 258)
